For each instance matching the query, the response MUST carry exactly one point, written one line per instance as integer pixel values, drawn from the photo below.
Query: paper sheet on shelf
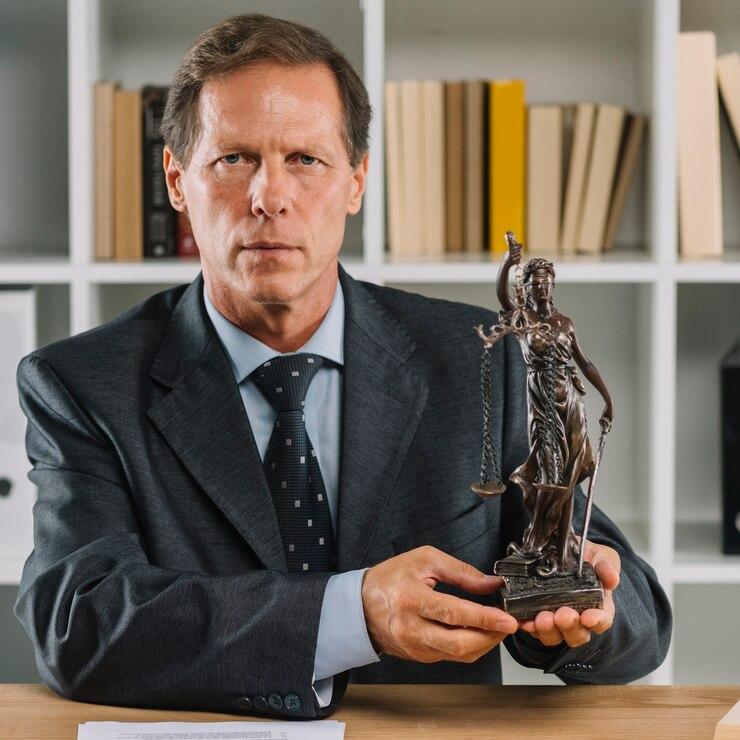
(325, 729)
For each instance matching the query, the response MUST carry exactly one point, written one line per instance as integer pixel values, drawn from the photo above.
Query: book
(601, 168)
(393, 169)
(544, 177)
(474, 166)
(580, 150)
(628, 160)
(186, 246)
(699, 172)
(128, 186)
(454, 175)
(413, 231)
(729, 396)
(728, 77)
(104, 95)
(159, 215)
(433, 164)
(728, 728)
(506, 135)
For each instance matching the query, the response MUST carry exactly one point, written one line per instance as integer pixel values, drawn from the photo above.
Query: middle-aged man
(256, 487)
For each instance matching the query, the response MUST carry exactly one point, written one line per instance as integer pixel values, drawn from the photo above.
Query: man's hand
(406, 617)
(566, 624)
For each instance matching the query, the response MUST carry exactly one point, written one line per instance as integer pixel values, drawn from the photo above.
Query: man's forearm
(113, 629)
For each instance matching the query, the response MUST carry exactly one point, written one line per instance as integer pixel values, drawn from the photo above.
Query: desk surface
(32, 711)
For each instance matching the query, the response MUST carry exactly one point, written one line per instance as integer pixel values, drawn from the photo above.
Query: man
(257, 486)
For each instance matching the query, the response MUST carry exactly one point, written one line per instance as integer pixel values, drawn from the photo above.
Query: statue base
(526, 594)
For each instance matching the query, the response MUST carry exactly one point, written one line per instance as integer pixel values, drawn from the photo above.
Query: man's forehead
(265, 91)
(234, 114)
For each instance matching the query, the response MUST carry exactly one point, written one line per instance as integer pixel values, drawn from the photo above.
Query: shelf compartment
(699, 558)
(566, 52)
(723, 18)
(705, 645)
(141, 42)
(707, 326)
(610, 321)
(34, 213)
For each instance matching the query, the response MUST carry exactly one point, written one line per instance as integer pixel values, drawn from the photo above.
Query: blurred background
(604, 134)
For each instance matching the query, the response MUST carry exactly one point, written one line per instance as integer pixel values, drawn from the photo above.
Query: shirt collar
(246, 353)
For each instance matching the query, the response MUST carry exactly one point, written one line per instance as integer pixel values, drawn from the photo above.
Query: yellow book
(506, 164)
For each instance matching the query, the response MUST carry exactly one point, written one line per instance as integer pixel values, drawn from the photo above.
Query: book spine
(186, 246)
(507, 193)
(159, 215)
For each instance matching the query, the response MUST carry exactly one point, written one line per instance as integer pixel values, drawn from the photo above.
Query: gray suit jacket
(158, 577)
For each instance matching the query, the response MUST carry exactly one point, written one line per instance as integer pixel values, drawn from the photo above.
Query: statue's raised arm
(512, 256)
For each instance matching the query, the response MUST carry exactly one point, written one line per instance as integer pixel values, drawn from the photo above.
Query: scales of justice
(547, 569)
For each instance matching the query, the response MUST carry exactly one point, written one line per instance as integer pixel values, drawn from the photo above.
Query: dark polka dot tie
(291, 465)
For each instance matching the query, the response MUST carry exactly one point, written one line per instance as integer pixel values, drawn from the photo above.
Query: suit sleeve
(110, 627)
(638, 639)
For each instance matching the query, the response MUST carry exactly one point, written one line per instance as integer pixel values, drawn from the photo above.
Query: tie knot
(285, 379)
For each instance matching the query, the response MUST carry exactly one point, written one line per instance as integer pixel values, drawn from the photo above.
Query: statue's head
(539, 277)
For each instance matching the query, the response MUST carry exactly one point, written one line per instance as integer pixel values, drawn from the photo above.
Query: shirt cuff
(323, 690)
(342, 642)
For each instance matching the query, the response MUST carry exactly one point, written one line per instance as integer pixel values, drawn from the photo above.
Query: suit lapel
(383, 400)
(204, 422)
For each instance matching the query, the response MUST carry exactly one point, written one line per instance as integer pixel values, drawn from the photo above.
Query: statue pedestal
(525, 593)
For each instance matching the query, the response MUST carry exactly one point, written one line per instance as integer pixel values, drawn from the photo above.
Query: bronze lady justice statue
(544, 571)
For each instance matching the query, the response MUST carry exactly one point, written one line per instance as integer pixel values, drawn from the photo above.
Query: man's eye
(231, 161)
(308, 156)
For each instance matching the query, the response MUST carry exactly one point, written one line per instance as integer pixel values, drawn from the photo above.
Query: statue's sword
(590, 500)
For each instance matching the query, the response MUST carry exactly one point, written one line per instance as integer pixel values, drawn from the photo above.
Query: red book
(186, 246)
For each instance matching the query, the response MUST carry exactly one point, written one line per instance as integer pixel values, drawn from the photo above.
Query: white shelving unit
(654, 324)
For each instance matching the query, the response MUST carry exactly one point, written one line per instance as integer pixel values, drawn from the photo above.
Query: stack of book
(467, 161)
(133, 215)
(700, 72)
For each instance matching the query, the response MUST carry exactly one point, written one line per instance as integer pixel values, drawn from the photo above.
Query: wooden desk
(32, 712)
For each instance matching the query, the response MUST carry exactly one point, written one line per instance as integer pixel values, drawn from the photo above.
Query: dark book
(730, 400)
(159, 215)
(186, 246)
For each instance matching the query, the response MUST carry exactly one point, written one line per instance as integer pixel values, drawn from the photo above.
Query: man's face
(270, 165)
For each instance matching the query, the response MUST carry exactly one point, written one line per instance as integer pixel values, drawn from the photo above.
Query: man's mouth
(270, 245)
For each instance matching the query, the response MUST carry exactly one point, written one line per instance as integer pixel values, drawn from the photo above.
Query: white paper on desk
(325, 729)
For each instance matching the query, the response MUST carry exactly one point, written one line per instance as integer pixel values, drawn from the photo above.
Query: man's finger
(600, 620)
(547, 633)
(454, 611)
(607, 573)
(528, 626)
(443, 567)
(568, 621)
(606, 563)
(457, 642)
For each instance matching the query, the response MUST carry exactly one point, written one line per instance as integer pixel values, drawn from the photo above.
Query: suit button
(292, 702)
(244, 702)
(275, 701)
(260, 703)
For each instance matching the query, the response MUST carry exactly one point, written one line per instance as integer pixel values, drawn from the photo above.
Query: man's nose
(270, 192)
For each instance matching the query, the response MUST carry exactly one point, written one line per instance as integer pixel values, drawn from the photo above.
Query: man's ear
(172, 173)
(359, 177)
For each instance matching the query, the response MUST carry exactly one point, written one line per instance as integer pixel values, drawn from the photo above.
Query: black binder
(730, 399)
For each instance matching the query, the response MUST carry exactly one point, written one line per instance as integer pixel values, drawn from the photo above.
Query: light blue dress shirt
(342, 641)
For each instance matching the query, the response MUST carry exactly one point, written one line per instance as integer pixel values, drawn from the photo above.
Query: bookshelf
(643, 314)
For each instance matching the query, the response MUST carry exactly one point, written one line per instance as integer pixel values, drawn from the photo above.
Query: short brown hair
(236, 42)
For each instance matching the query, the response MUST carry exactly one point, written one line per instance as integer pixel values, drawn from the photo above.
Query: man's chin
(271, 289)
